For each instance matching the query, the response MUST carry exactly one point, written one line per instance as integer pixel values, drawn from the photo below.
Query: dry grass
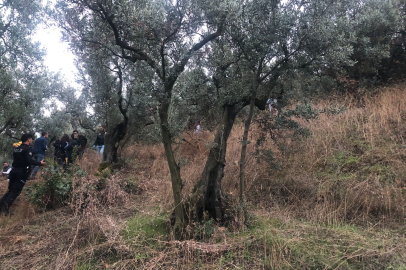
(367, 145)
(350, 170)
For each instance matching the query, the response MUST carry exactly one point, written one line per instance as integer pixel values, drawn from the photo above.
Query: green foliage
(305, 111)
(101, 183)
(204, 229)
(376, 25)
(55, 190)
(347, 162)
(103, 166)
(25, 83)
(334, 109)
(105, 169)
(146, 227)
(106, 173)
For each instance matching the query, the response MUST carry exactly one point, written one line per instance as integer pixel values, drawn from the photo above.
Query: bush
(204, 229)
(129, 185)
(56, 188)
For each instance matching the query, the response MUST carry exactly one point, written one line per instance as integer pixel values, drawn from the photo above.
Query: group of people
(68, 148)
(27, 160)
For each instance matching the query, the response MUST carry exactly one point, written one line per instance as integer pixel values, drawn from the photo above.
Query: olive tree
(250, 46)
(163, 35)
(115, 91)
(25, 83)
(266, 43)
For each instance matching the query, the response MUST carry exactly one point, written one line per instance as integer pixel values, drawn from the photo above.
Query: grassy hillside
(335, 200)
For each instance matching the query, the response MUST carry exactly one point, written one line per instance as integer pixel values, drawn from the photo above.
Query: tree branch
(220, 29)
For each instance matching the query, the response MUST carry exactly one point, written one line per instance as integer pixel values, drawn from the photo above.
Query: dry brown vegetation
(336, 200)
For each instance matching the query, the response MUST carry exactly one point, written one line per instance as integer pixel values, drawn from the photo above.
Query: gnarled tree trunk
(112, 141)
(116, 134)
(207, 194)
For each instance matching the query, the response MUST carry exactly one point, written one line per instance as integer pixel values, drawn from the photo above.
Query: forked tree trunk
(207, 194)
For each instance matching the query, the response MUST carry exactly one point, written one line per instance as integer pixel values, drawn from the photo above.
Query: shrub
(129, 185)
(104, 165)
(56, 188)
(204, 229)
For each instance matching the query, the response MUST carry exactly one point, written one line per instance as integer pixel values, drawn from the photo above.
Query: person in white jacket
(198, 127)
(6, 169)
(271, 103)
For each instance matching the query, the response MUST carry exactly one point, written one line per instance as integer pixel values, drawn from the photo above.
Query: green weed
(146, 227)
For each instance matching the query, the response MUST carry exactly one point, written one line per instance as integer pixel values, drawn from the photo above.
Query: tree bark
(116, 134)
(112, 142)
(175, 172)
(207, 194)
(244, 148)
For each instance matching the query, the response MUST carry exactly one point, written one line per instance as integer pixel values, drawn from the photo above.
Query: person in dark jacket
(40, 146)
(57, 154)
(99, 143)
(82, 143)
(72, 150)
(23, 160)
(60, 149)
(64, 144)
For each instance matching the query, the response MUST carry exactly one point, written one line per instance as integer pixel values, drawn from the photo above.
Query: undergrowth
(55, 189)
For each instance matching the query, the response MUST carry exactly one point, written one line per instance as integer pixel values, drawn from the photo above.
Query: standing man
(72, 149)
(82, 142)
(272, 103)
(20, 172)
(40, 146)
(6, 170)
(198, 127)
(99, 143)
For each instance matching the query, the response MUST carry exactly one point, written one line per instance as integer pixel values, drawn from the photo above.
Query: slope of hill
(335, 200)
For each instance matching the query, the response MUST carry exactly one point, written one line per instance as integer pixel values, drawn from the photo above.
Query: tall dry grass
(351, 169)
